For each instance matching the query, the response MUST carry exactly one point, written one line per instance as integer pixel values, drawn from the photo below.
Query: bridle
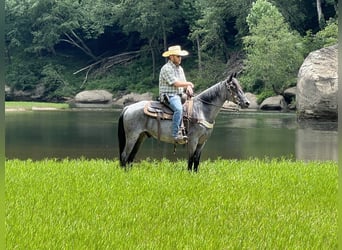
(229, 86)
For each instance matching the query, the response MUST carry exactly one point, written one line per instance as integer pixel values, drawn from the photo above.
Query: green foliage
(211, 73)
(22, 75)
(53, 75)
(272, 49)
(325, 37)
(329, 35)
(54, 83)
(243, 204)
(263, 95)
(37, 33)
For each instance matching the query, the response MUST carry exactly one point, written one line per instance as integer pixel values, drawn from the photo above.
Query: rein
(221, 107)
(234, 109)
(203, 122)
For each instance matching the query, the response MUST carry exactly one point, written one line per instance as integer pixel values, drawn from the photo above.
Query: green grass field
(229, 204)
(31, 105)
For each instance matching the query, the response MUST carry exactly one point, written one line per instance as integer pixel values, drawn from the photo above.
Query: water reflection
(90, 134)
(316, 140)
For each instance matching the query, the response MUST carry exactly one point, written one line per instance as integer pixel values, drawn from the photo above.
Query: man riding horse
(172, 83)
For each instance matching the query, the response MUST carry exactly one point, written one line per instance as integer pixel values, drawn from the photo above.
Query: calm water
(93, 134)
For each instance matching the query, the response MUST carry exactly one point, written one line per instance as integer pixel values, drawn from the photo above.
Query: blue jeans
(176, 105)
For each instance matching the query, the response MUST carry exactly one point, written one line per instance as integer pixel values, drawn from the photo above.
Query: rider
(172, 82)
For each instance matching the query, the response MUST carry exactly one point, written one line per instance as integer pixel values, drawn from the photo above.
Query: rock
(230, 106)
(8, 94)
(290, 97)
(253, 100)
(94, 96)
(317, 85)
(35, 94)
(274, 103)
(290, 94)
(38, 93)
(132, 98)
(93, 99)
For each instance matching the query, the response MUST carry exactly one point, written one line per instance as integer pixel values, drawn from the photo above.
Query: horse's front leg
(190, 162)
(197, 157)
(195, 150)
(191, 153)
(194, 160)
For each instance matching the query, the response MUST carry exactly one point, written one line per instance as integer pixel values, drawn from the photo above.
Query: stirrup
(181, 138)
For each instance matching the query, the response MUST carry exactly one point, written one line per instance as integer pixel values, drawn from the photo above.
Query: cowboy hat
(175, 50)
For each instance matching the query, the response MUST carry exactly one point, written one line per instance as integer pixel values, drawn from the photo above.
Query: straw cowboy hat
(175, 50)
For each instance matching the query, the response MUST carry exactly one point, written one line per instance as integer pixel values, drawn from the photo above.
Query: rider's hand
(189, 91)
(190, 84)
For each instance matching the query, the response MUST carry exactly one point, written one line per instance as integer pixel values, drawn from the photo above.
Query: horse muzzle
(245, 103)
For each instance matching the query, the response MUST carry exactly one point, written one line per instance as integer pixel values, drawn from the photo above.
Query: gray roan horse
(134, 125)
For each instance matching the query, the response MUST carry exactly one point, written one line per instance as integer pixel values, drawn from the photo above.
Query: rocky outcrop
(93, 99)
(35, 94)
(317, 85)
(131, 98)
(274, 103)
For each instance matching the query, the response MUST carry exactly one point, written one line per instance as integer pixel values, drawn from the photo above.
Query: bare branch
(102, 65)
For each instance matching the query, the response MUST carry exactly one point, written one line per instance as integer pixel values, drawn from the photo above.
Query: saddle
(161, 111)
(158, 110)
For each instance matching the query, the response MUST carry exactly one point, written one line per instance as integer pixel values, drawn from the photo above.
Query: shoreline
(22, 109)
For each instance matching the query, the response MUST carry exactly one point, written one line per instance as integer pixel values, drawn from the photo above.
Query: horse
(134, 126)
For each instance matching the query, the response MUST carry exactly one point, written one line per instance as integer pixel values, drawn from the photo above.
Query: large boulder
(132, 98)
(317, 85)
(93, 99)
(274, 103)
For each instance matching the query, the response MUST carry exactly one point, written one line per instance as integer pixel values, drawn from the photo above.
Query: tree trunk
(8, 55)
(153, 59)
(199, 55)
(164, 40)
(320, 15)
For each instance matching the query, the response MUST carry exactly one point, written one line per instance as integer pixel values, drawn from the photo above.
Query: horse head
(235, 91)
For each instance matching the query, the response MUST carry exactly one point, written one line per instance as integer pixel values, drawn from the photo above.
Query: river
(93, 134)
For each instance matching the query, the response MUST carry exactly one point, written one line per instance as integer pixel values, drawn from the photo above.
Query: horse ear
(230, 77)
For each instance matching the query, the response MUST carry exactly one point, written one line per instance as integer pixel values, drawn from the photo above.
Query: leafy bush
(23, 75)
(263, 95)
(56, 87)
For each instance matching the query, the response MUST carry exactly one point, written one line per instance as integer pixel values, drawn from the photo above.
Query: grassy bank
(229, 204)
(13, 106)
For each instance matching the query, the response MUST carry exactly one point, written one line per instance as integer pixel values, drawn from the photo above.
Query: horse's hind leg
(136, 147)
(131, 149)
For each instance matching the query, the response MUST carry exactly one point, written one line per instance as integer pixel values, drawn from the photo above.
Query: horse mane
(211, 93)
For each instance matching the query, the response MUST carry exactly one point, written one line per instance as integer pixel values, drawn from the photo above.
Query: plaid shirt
(169, 74)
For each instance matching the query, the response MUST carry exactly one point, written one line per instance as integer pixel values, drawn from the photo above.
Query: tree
(73, 22)
(151, 19)
(17, 28)
(272, 49)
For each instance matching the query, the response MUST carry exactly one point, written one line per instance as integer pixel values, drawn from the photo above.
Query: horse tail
(122, 137)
